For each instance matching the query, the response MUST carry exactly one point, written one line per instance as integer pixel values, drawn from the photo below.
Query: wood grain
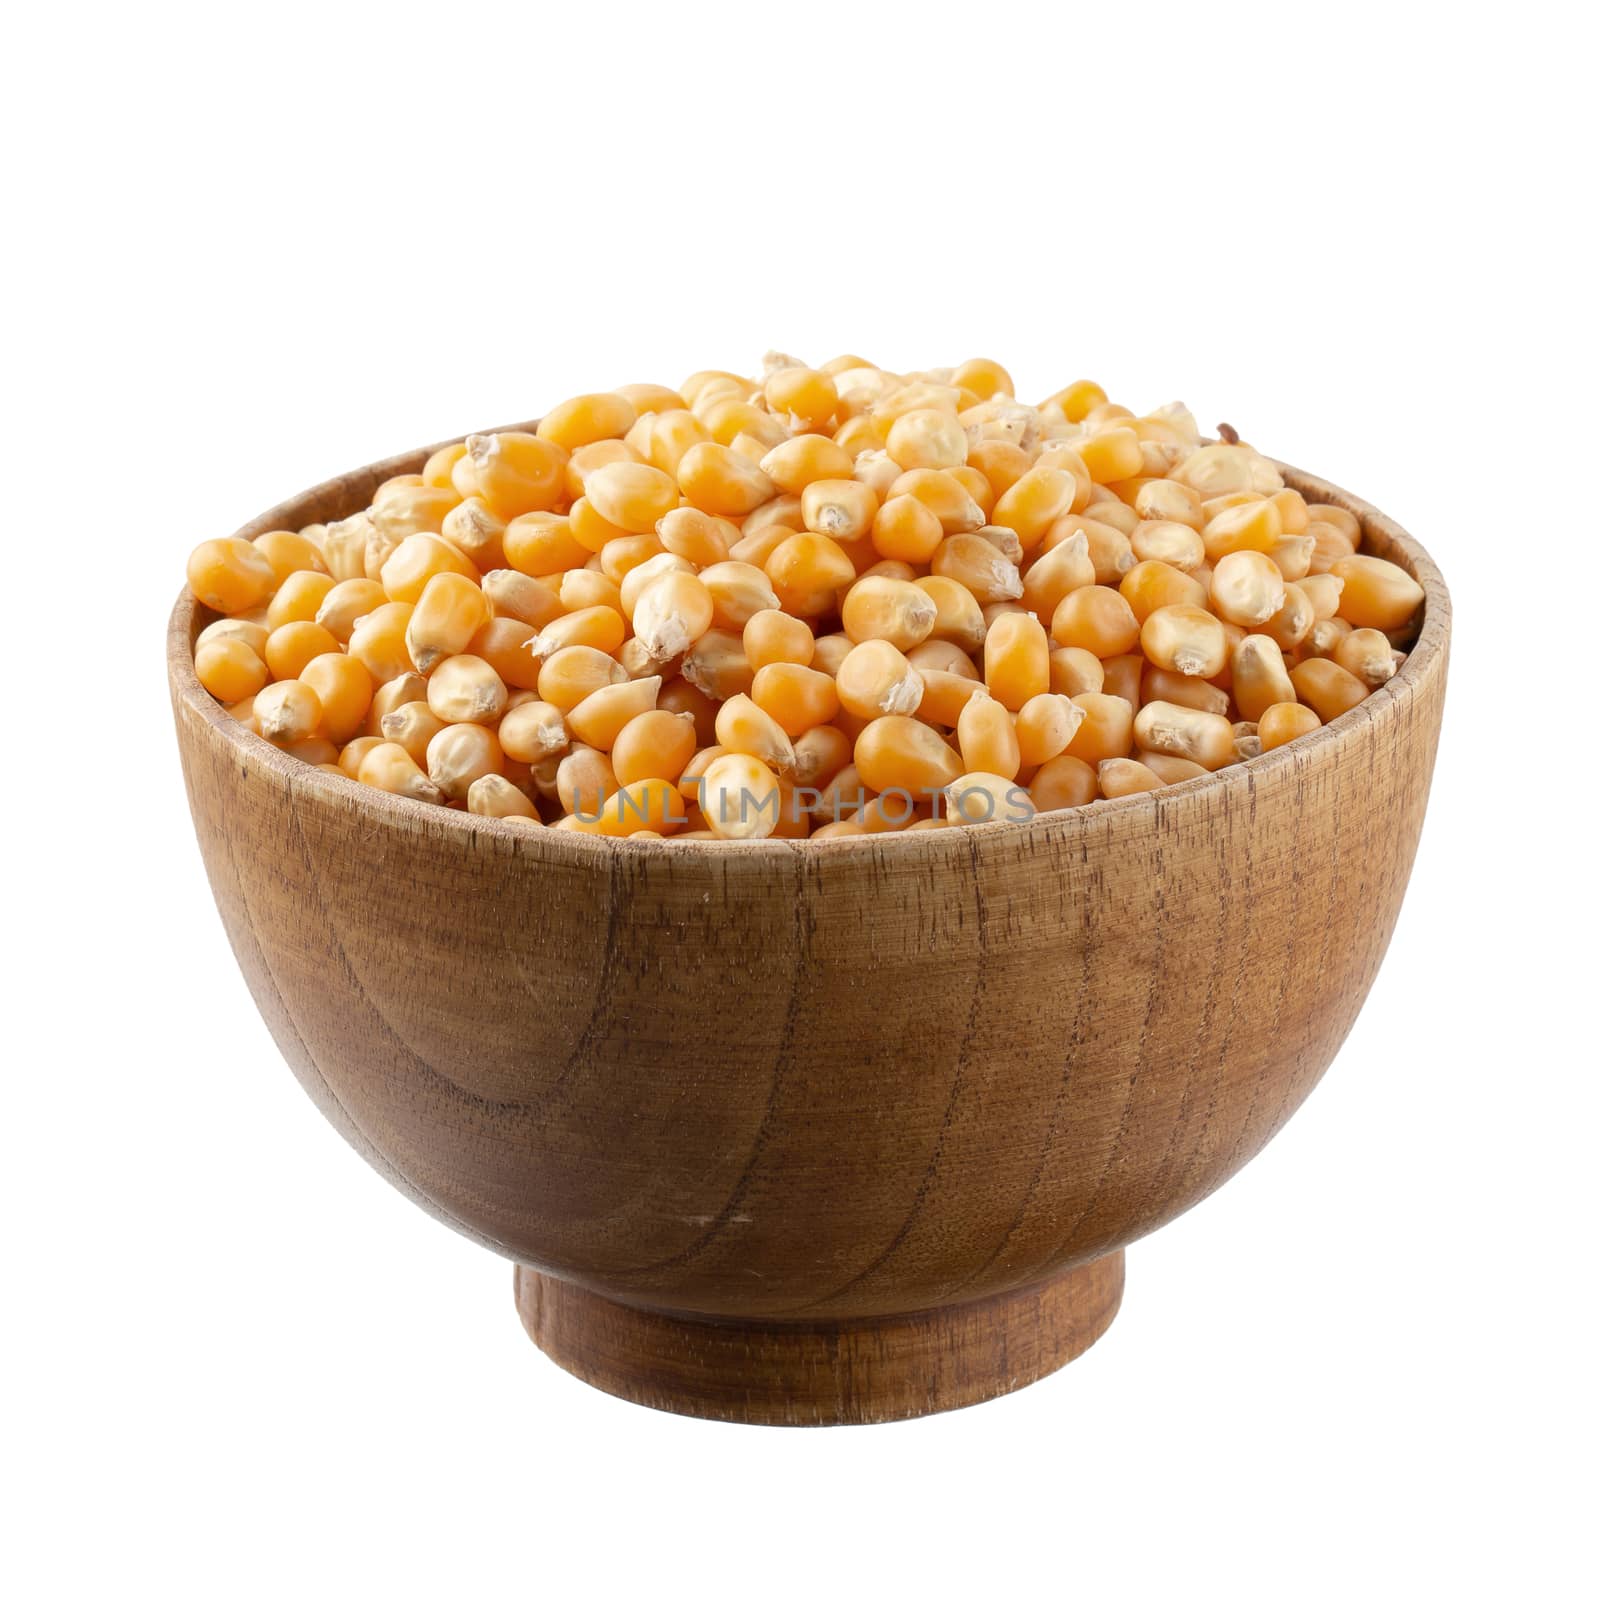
(795, 1085)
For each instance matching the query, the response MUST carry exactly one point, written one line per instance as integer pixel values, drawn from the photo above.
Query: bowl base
(813, 1374)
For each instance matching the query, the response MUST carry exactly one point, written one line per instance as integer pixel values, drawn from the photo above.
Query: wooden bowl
(814, 1133)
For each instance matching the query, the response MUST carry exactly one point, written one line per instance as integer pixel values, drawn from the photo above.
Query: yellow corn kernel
(230, 575)
(1255, 525)
(466, 689)
(390, 767)
(411, 508)
(1246, 588)
(1163, 500)
(299, 598)
(1016, 659)
(589, 458)
(820, 753)
(631, 495)
(1322, 589)
(1185, 639)
(1278, 724)
(670, 436)
(655, 744)
(888, 608)
(460, 754)
(696, 536)
(1174, 543)
(1156, 683)
(287, 711)
(772, 636)
(1075, 671)
(1182, 731)
(1045, 727)
(404, 689)
(532, 731)
(638, 578)
(1260, 678)
(1039, 498)
(806, 570)
(717, 665)
(494, 795)
(901, 754)
(1149, 585)
(346, 603)
(1366, 654)
(599, 718)
(584, 587)
(718, 480)
(927, 437)
(584, 779)
(672, 611)
(541, 544)
(573, 672)
(1125, 676)
(507, 645)
(1111, 454)
(876, 680)
(343, 688)
(987, 737)
(738, 591)
(739, 797)
(350, 758)
(448, 612)
(1377, 593)
(249, 633)
(1120, 776)
(1106, 729)
(972, 561)
(979, 797)
(808, 458)
(1063, 782)
(1293, 556)
(1171, 769)
(1096, 619)
(807, 398)
(840, 508)
(378, 641)
(289, 552)
(515, 594)
(1326, 687)
(944, 495)
(416, 559)
(438, 468)
(743, 728)
(511, 473)
(796, 698)
(229, 669)
(584, 419)
(945, 695)
(290, 647)
(1346, 522)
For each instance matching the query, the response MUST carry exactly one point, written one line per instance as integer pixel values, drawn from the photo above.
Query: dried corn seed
(1326, 687)
(1246, 588)
(979, 797)
(466, 689)
(1288, 720)
(1377, 593)
(599, 718)
(876, 680)
(390, 767)
(1185, 639)
(493, 795)
(1121, 775)
(901, 754)
(1181, 731)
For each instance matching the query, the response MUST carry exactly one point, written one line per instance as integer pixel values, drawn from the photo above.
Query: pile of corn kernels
(829, 601)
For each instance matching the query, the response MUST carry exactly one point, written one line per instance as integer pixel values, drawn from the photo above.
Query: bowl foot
(819, 1373)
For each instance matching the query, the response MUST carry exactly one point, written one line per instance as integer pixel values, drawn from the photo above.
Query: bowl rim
(560, 845)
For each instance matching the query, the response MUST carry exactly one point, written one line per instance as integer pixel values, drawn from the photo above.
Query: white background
(252, 247)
